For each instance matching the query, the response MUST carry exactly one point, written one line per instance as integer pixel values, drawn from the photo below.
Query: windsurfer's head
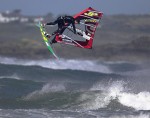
(61, 17)
(77, 21)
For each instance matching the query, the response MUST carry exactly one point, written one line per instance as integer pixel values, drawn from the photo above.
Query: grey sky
(42, 7)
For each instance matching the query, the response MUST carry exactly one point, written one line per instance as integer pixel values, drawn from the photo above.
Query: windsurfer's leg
(53, 40)
(62, 30)
(59, 31)
(55, 32)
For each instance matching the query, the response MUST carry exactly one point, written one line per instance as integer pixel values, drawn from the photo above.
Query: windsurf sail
(89, 20)
(44, 33)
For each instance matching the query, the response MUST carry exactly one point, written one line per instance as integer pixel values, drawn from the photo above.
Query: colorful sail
(89, 20)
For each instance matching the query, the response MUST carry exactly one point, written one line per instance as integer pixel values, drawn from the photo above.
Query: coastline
(120, 38)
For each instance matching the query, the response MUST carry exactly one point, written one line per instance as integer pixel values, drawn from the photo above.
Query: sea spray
(85, 65)
(104, 95)
(139, 101)
(46, 89)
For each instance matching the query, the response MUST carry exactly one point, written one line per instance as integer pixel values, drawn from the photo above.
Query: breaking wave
(116, 93)
(85, 65)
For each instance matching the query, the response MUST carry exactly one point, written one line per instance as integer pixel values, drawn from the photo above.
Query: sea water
(73, 89)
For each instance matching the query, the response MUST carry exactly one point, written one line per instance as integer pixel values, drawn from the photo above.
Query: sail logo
(91, 14)
(91, 20)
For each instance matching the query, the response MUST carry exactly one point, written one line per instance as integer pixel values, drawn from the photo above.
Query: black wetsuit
(63, 23)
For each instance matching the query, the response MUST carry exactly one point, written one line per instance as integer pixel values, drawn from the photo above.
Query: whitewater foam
(85, 65)
(14, 76)
(116, 91)
(131, 116)
(138, 101)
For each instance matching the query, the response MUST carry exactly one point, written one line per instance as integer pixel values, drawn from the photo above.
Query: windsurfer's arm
(52, 23)
(74, 28)
(71, 20)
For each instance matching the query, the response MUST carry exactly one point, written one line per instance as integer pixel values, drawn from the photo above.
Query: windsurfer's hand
(43, 25)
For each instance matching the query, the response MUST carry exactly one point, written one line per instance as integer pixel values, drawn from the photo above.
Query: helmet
(62, 17)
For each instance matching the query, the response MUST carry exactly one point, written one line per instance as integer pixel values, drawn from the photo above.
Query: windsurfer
(63, 22)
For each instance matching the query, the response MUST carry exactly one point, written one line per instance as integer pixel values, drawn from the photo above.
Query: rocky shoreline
(120, 38)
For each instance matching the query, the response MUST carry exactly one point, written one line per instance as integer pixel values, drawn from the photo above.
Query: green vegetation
(120, 37)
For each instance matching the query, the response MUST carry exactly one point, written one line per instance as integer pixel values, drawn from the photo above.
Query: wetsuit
(63, 22)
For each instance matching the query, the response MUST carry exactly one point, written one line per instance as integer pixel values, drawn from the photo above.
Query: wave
(46, 89)
(43, 113)
(131, 116)
(116, 96)
(14, 76)
(85, 65)
(73, 84)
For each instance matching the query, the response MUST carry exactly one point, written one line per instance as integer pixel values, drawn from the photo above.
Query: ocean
(68, 88)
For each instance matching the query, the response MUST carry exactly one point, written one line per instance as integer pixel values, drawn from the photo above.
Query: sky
(56, 7)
